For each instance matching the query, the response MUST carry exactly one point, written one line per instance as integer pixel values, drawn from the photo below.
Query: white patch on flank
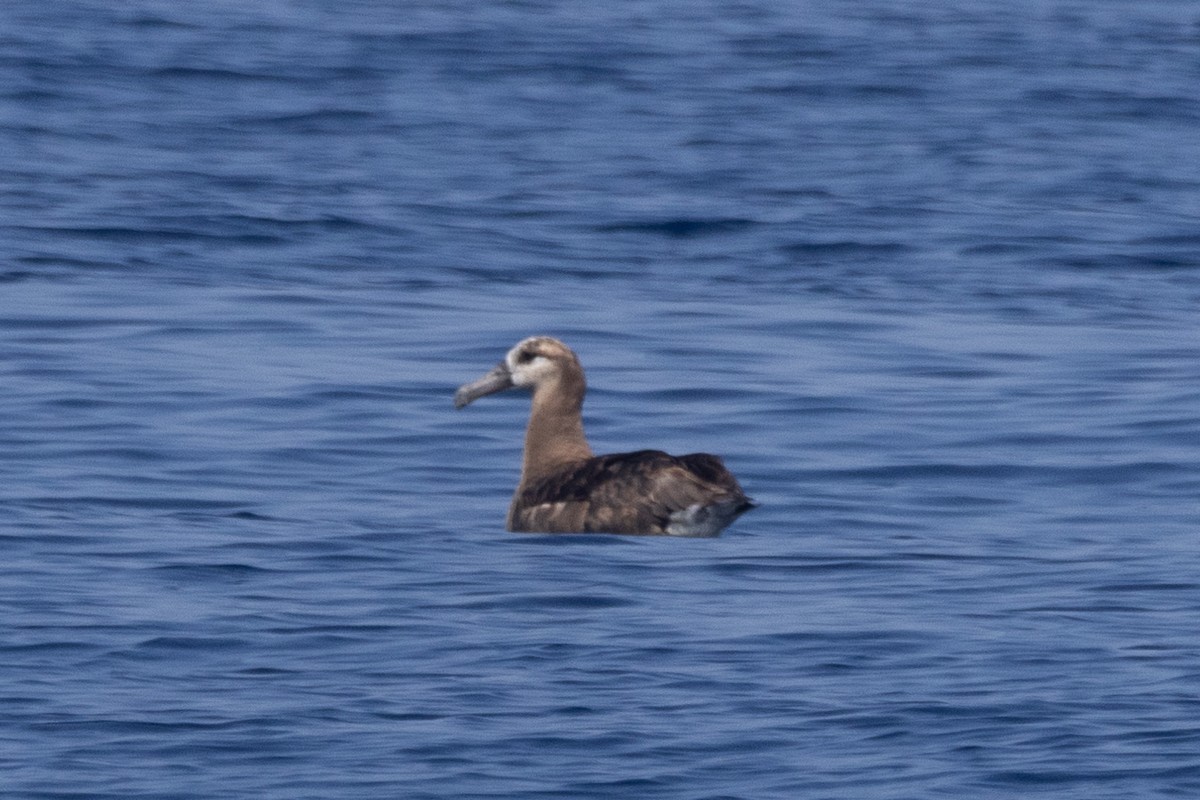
(700, 520)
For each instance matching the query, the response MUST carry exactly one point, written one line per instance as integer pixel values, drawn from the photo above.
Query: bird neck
(555, 434)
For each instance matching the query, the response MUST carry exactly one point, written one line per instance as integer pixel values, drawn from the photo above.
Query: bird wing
(623, 493)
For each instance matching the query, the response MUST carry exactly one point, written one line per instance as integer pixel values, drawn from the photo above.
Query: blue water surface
(926, 275)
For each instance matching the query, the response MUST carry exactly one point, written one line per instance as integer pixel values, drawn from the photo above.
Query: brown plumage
(566, 489)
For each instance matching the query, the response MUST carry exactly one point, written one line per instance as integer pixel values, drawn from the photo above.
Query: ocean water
(926, 275)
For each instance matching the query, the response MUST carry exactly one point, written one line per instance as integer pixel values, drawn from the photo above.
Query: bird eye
(524, 357)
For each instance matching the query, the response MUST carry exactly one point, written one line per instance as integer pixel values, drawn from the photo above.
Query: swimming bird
(564, 488)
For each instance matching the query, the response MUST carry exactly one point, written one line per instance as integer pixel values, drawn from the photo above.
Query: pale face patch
(527, 365)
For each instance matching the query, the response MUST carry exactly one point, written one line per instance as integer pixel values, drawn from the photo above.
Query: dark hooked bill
(497, 380)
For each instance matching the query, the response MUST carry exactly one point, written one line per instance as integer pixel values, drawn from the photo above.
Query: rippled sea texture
(927, 275)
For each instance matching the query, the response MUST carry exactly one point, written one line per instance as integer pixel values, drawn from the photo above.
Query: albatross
(564, 488)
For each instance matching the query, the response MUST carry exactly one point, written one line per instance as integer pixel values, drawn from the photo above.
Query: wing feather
(633, 492)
